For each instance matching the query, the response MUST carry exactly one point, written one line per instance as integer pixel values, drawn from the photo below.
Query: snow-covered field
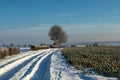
(46, 64)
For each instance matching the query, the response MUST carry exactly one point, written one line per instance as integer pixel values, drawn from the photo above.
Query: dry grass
(8, 51)
(104, 60)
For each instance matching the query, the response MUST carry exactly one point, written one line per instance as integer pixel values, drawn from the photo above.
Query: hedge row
(38, 47)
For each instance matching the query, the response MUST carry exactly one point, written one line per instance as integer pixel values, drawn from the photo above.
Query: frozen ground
(26, 49)
(46, 64)
(62, 70)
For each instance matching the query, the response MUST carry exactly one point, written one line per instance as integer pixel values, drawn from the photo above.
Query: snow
(26, 49)
(7, 68)
(29, 76)
(62, 70)
(22, 48)
(9, 59)
(48, 64)
(22, 71)
(98, 77)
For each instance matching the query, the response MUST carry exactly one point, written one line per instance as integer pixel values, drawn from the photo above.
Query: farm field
(101, 60)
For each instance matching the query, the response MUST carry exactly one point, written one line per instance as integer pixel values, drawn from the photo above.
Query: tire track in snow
(36, 67)
(13, 67)
(43, 71)
(16, 57)
(14, 60)
(32, 66)
(10, 73)
(22, 72)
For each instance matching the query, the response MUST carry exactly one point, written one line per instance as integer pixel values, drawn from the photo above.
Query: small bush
(53, 46)
(39, 47)
(3, 52)
(13, 51)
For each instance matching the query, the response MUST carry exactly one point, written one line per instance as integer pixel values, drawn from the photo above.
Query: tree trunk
(58, 43)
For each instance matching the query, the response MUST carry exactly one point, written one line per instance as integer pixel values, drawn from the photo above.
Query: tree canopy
(58, 35)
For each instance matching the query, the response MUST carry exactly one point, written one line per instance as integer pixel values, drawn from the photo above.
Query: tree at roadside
(58, 35)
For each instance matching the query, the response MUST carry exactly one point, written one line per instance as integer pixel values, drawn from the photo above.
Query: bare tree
(58, 35)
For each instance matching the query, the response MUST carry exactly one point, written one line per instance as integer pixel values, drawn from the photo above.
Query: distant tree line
(95, 45)
(13, 45)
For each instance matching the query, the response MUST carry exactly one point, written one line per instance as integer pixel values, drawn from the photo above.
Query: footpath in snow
(62, 70)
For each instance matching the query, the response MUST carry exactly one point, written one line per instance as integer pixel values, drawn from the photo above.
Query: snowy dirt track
(33, 66)
(46, 64)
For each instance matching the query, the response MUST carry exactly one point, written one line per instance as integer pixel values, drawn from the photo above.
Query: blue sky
(28, 21)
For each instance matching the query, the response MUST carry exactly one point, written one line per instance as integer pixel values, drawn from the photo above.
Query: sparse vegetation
(14, 50)
(39, 47)
(103, 60)
(53, 46)
(8, 51)
(3, 52)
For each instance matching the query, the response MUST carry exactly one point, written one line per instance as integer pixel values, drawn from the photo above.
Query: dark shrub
(3, 52)
(39, 47)
(14, 50)
(53, 46)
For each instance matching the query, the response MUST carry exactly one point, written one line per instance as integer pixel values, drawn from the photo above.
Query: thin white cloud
(4, 26)
(7, 26)
(104, 18)
(39, 28)
(116, 12)
(108, 18)
(113, 16)
(66, 14)
(100, 22)
(93, 28)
